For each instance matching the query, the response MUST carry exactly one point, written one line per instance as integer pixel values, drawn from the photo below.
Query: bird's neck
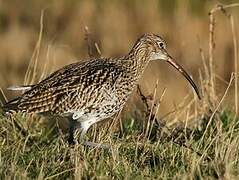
(136, 62)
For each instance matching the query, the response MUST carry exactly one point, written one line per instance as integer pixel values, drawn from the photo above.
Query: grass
(208, 148)
(49, 156)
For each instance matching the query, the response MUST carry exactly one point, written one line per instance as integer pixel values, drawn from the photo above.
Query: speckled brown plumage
(95, 89)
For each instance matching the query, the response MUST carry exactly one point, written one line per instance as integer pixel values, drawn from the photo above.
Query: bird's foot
(96, 145)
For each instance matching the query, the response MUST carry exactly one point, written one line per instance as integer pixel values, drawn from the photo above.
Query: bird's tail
(11, 106)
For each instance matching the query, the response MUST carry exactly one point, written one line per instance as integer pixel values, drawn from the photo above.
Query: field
(164, 131)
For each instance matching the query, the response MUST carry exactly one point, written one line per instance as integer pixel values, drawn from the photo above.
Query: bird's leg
(72, 128)
(97, 145)
(83, 132)
(85, 126)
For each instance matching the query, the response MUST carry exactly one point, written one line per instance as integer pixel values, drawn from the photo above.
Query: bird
(90, 91)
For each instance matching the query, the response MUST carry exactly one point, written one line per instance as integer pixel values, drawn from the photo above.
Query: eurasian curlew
(88, 92)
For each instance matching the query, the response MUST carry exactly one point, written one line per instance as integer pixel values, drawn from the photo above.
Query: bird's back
(84, 86)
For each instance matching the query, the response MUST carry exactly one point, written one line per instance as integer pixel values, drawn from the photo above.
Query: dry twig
(93, 48)
(173, 136)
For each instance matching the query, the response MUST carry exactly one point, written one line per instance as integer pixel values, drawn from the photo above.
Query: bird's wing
(61, 87)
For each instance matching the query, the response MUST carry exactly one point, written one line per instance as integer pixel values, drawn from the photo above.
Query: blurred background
(115, 26)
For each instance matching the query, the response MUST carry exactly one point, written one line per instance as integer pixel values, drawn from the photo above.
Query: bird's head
(153, 47)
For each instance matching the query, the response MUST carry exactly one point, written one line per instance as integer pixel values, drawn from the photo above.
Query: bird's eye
(161, 45)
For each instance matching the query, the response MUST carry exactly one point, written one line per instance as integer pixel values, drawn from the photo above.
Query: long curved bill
(171, 61)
